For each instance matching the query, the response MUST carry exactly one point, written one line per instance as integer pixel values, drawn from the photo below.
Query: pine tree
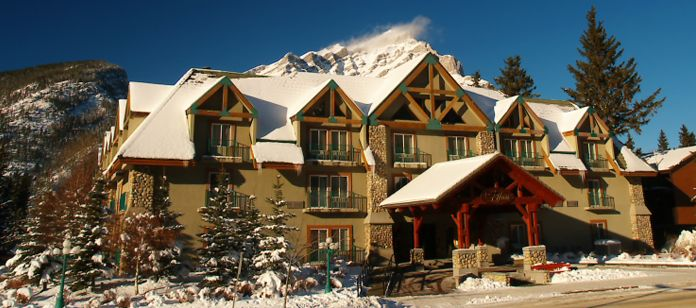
(662, 142)
(89, 263)
(686, 137)
(609, 84)
(273, 248)
(514, 80)
(629, 142)
(476, 79)
(222, 240)
(167, 254)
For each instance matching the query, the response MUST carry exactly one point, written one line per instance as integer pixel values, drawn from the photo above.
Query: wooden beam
(332, 102)
(225, 98)
(351, 104)
(157, 162)
(463, 128)
(548, 163)
(431, 86)
(314, 100)
(439, 92)
(416, 109)
(450, 106)
(613, 163)
(326, 120)
(241, 98)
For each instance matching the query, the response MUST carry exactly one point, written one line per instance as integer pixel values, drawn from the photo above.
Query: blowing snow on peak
(372, 55)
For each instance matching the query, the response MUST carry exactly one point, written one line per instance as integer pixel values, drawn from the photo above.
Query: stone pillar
(485, 141)
(482, 256)
(641, 227)
(417, 256)
(464, 261)
(142, 187)
(378, 227)
(533, 255)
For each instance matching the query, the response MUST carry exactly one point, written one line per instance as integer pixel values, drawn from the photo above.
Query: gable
(432, 99)
(223, 100)
(519, 118)
(330, 105)
(591, 126)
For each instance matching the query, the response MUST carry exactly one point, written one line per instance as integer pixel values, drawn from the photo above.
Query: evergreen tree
(686, 137)
(167, 254)
(629, 142)
(514, 80)
(476, 79)
(274, 247)
(609, 84)
(136, 242)
(89, 262)
(223, 242)
(662, 142)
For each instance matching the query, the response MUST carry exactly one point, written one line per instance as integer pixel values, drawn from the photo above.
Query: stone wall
(142, 187)
(533, 255)
(641, 227)
(378, 230)
(485, 141)
(464, 258)
(417, 256)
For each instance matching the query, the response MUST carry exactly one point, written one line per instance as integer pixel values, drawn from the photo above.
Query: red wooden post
(417, 220)
(467, 223)
(460, 229)
(535, 222)
(530, 227)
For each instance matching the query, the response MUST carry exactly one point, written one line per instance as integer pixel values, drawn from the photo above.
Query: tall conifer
(662, 142)
(686, 137)
(514, 80)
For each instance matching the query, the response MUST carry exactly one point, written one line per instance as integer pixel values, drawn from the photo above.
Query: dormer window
(330, 145)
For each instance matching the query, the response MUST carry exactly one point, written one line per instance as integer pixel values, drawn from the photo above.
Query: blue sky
(158, 41)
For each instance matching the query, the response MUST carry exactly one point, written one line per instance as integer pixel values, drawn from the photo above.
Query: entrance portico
(470, 189)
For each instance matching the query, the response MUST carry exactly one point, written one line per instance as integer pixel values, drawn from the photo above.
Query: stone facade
(482, 256)
(485, 142)
(464, 259)
(379, 235)
(533, 255)
(641, 227)
(143, 185)
(497, 277)
(417, 256)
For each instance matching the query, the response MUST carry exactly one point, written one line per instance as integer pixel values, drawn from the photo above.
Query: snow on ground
(473, 284)
(493, 299)
(594, 274)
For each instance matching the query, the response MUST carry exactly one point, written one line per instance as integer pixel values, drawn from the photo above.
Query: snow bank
(473, 284)
(594, 274)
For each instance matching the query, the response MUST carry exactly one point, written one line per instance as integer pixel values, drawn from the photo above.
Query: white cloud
(385, 35)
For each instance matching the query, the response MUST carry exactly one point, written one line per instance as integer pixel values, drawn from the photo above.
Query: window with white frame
(328, 191)
(404, 147)
(339, 235)
(457, 147)
(594, 191)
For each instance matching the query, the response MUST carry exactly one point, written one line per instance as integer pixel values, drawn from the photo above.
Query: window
(328, 191)
(594, 191)
(404, 147)
(328, 144)
(599, 229)
(339, 234)
(510, 147)
(591, 151)
(519, 148)
(123, 202)
(457, 148)
(526, 148)
(221, 134)
(317, 140)
(400, 181)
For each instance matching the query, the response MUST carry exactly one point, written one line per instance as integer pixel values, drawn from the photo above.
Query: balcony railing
(319, 200)
(455, 155)
(601, 202)
(596, 163)
(332, 152)
(411, 155)
(355, 255)
(236, 200)
(533, 160)
(231, 149)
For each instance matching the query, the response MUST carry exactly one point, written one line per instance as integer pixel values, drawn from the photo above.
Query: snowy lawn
(474, 284)
(594, 274)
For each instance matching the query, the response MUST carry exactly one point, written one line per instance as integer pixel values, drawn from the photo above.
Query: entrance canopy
(460, 187)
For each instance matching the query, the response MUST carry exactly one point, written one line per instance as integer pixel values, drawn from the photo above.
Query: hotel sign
(497, 196)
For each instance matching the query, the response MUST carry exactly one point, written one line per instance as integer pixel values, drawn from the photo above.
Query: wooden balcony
(324, 203)
(229, 152)
(342, 155)
(411, 158)
(531, 162)
(601, 203)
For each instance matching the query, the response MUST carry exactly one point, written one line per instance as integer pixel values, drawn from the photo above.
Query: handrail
(236, 199)
(411, 155)
(232, 149)
(335, 152)
(351, 201)
(455, 155)
(605, 201)
(596, 163)
(534, 160)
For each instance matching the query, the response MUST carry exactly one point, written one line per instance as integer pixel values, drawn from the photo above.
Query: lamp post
(329, 246)
(67, 246)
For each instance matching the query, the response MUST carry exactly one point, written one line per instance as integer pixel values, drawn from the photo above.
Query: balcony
(335, 154)
(533, 161)
(229, 151)
(236, 200)
(323, 202)
(355, 255)
(411, 158)
(455, 155)
(600, 203)
(598, 163)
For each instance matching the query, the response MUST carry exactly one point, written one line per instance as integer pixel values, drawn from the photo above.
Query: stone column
(533, 255)
(142, 187)
(464, 261)
(485, 141)
(641, 227)
(378, 227)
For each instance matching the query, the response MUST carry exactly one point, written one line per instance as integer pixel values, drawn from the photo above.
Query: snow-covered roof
(502, 107)
(557, 117)
(122, 113)
(369, 157)
(486, 99)
(633, 162)
(566, 161)
(277, 152)
(145, 97)
(665, 161)
(164, 134)
(438, 180)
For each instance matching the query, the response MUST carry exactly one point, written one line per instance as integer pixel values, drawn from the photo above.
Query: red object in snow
(552, 267)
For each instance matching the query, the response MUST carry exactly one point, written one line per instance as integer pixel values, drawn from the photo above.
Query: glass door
(339, 192)
(318, 191)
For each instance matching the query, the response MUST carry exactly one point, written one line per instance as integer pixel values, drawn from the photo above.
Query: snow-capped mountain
(374, 57)
(46, 109)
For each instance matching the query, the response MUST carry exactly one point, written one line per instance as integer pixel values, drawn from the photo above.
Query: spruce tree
(686, 137)
(514, 80)
(89, 262)
(222, 240)
(167, 254)
(662, 142)
(476, 79)
(609, 84)
(274, 247)
(629, 142)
